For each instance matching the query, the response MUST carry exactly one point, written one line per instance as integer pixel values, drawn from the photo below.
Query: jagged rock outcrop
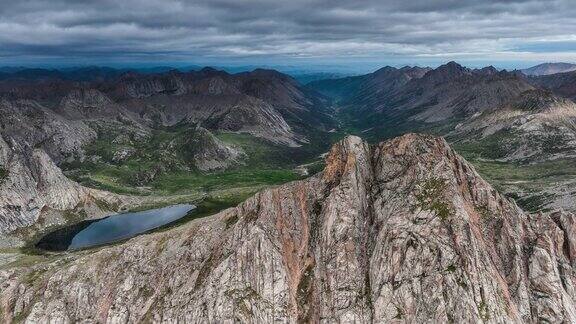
(32, 186)
(33, 182)
(258, 118)
(88, 104)
(32, 137)
(138, 86)
(25, 125)
(404, 231)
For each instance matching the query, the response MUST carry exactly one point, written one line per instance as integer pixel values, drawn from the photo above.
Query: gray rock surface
(534, 127)
(404, 231)
(32, 138)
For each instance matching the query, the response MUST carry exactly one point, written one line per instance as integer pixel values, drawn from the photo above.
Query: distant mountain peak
(549, 68)
(269, 73)
(385, 69)
(488, 70)
(208, 69)
(447, 72)
(452, 66)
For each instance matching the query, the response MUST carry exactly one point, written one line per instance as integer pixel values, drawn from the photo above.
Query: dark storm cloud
(112, 29)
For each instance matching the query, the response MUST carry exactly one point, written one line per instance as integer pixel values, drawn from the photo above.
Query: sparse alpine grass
(430, 197)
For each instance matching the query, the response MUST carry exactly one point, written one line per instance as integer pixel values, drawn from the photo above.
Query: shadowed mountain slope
(563, 84)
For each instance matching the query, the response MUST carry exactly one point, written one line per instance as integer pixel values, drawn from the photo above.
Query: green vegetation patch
(483, 311)
(538, 173)
(526, 183)
(431, 197)
(535, 202)
(495, 146)
(160, 166)
(175, 182)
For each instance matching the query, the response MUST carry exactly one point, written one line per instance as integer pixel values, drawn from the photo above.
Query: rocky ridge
(404, 231)
(563, 84)
(362, 88)
(208, 153)
(535, 126)
(452, 91)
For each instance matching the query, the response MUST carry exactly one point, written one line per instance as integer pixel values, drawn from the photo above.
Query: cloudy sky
(358, 33)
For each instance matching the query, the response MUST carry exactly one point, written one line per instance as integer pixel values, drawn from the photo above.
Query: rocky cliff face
(32, 186)
(263, 103)
(25, 125)
(90, 104)
(31, 139)
(405, 231)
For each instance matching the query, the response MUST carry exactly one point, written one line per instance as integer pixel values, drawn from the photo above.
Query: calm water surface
(112, 228)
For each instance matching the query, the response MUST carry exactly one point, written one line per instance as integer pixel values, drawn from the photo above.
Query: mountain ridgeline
(385, 229)
(397, 100)
(500, 120)
(402, 231)
(129, 130)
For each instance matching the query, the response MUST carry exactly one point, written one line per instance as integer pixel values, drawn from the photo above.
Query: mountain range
(153, 123)
(138, 127)
(395, 227)
(495, 118)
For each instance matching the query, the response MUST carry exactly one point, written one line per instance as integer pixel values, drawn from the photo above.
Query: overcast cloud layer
(291, 31)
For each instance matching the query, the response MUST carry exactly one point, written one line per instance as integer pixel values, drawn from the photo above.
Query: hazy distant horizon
(350, 69)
